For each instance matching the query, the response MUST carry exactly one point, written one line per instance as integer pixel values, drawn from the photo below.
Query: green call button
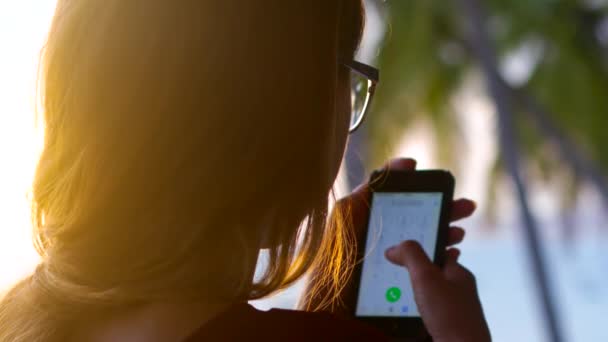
(393, 294)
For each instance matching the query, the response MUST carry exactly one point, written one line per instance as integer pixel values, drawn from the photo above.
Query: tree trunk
(483, 48)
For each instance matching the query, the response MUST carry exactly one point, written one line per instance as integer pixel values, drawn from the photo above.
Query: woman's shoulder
(244, 322)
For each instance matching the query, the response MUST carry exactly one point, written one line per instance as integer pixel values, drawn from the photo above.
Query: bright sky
(23, 27)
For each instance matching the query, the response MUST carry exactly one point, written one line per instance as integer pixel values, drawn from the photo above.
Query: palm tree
(562, 101)
(434, 44)
(474, 16)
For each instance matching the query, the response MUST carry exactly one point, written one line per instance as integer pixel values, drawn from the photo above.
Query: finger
(398, 164)
(458, 274)
(455, 235)
(462, 208)
(451, 269)
(401, 164)
(455, 272)
(410, 255)
(452, 255)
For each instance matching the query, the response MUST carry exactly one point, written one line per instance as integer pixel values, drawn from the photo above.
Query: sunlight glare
(23, 28)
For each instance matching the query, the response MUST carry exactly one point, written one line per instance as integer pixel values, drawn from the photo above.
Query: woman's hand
(446, 298)
(358, 204)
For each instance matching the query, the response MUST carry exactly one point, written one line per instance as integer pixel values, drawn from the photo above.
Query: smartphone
(405, 205)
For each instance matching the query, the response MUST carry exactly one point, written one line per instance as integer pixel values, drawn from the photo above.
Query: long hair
(173, 130)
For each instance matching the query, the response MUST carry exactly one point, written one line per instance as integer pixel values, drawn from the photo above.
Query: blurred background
(510, 95)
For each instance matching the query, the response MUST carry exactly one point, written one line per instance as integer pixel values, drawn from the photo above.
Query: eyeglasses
(363, 81)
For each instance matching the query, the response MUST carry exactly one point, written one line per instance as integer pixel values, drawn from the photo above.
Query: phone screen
(385, 290)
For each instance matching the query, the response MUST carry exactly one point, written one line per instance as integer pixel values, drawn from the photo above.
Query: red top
(245, 323)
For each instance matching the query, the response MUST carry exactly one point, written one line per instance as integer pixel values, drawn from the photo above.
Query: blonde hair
(172, 128)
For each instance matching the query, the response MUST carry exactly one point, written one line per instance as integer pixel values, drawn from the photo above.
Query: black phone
(405, 205)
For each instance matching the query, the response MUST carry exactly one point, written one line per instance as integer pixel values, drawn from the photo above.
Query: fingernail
(474, 204)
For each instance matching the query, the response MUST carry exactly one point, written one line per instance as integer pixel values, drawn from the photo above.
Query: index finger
(400, 164)
(411, 255)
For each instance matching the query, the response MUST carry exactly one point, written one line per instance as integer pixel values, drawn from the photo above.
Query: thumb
(410, 255)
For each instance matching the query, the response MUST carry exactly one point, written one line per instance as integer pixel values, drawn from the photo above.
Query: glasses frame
(373, 77)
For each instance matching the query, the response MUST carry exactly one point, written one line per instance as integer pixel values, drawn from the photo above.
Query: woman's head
(177, 133)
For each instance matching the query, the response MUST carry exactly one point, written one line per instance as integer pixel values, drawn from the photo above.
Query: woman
(181, 138)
